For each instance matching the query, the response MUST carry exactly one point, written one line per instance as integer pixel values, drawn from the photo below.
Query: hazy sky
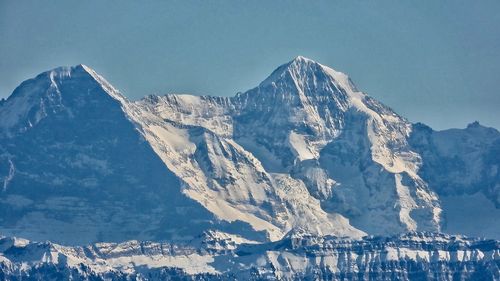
(437, 62)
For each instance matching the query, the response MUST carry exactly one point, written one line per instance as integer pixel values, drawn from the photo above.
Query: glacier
(303, 152)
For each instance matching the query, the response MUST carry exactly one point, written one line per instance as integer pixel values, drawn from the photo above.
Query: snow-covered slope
(305, 150)
(216, 256)
(348, 148)
(75, 169)
(226, 179)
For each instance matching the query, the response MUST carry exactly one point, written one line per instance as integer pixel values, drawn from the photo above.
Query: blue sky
(437, 62)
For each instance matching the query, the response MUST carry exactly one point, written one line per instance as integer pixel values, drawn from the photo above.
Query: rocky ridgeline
(216, 256)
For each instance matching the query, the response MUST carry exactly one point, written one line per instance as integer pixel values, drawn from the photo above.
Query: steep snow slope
(213, 113)
(76, 170)
(292, 114)
(229, 181)
(313, 117)
(298, 122)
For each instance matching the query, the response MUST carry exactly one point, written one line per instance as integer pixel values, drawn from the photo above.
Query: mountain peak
(308, 75)
(34, 98)
(302, 59)
(65, 72)
(86, 68)
(54, 77)
(297, 69)
(302, 62)
(106, 86)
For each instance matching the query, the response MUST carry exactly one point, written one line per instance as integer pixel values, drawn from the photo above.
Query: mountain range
(303, 152)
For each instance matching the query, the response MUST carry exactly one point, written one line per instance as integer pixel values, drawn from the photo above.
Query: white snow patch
(10, 176)
(299, 144)
(406, 203)
(191, 264)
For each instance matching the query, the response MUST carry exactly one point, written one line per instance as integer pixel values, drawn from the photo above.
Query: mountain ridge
(297, 256)
(303, 150)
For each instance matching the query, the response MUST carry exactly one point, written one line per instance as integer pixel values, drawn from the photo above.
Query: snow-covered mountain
(75, 168)
(298, 256)
(304, 150)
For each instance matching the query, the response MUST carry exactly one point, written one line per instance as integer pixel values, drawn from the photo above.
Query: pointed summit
(308, 75)
(107, 87)
(57, 90)
(300, 94)
(303, 59)
(299, 65)
(52, 80)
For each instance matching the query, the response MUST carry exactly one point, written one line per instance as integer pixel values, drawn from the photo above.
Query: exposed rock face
(79, 171)
(80, 163)
(298, 256)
